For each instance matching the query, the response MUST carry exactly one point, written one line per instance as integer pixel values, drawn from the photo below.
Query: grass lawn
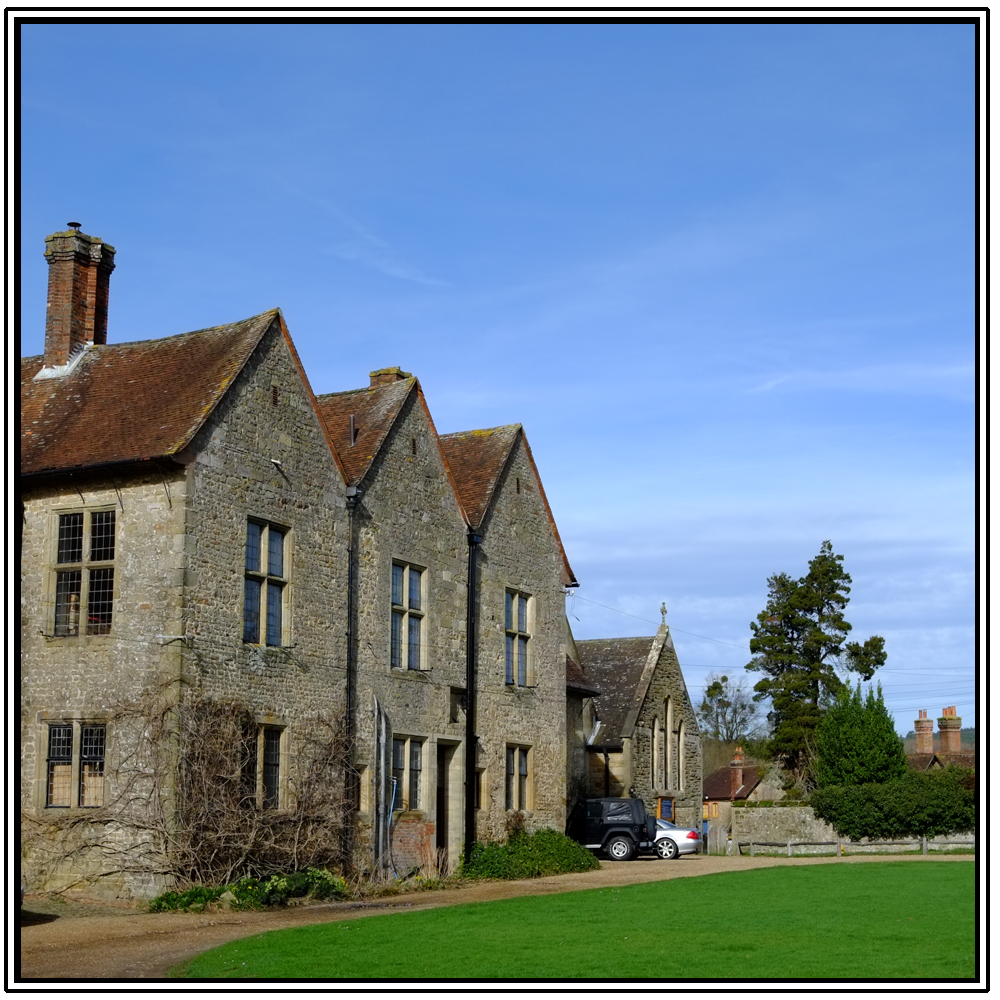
(891, 920)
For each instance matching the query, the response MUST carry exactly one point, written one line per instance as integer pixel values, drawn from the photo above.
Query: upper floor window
(85, 572)
(406, 641)
(75, 765)
(517, 609)
(265, 580)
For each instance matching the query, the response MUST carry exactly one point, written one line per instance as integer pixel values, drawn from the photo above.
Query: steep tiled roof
(925, 761)
(374, 410)
(577, 682)
(718, 785)
(128, 402)
(477, 459)
(615, 666)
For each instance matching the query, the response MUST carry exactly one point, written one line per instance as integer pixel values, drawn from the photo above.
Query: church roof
(134, 401)
(616, 667)
(577, 682)
(375, 410)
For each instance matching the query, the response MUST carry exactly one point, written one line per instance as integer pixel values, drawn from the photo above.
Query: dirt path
(148, 945)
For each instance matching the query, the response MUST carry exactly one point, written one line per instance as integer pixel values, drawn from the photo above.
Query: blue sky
(723, 274)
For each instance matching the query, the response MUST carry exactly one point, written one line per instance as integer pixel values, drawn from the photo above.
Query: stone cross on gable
(663, 611)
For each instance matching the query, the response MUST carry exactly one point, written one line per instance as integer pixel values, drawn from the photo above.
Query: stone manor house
(198, 528)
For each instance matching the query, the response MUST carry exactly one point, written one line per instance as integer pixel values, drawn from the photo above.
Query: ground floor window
(261, 766)
(408, 770)
(75, 765)
(517, 784)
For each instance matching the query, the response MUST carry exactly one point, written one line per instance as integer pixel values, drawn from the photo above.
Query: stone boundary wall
(800, 823)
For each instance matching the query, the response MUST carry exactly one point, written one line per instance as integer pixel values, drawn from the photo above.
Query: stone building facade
(199, 529)
(643, 737)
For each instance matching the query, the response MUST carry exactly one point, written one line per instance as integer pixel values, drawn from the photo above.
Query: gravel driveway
(108, 946)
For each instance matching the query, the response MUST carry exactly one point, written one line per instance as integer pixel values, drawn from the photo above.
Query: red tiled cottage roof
(719, 784)
(375, 410)
(131, 402)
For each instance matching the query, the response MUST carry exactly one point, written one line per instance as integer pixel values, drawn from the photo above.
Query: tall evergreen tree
(799, 640)
(856, 741)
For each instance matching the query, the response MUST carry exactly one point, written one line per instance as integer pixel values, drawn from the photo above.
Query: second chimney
(736, 772)
(924, 728)
(76, 313)
(949, 731)
(385, 376)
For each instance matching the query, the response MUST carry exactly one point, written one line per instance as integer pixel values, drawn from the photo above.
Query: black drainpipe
(353, 495)
(471, 740)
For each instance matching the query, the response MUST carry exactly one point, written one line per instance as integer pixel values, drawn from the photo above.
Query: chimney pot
(385, 376)
(949, 731)
(924, 728)
(76, 314)
(736, 773)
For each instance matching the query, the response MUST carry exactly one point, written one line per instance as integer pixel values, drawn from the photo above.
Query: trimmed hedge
(920, 804)
(528, 855)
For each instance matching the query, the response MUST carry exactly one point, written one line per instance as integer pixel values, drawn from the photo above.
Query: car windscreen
(663, 824)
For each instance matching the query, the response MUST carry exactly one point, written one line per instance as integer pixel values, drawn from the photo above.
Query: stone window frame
(519, 777)
(264, 765)
(86, 568)
(267, 582)
(405, 616)
(411, 781)
(519, 667)
(79, 788)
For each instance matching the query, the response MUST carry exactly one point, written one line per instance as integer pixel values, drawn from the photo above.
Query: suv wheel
(620, 848)
(667, 849)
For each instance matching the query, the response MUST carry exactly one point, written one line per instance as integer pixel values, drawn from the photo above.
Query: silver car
(673, 841)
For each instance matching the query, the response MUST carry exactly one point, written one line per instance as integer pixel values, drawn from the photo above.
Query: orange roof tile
(375, 410)
(477, 459)
(130, 402)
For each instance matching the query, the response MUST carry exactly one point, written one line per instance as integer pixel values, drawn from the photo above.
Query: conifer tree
(799, 640)
(856, 741)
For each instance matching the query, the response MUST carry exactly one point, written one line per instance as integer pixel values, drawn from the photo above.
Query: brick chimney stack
(949, 731)
(384, 376)
(736, 773)
(924, 729)
(76, 313)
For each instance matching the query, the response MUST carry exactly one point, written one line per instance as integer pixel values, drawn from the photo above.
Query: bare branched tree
(182, 802)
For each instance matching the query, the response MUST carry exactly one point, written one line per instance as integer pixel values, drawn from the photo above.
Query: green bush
(919, 804)
(254, 893)
(528, 855)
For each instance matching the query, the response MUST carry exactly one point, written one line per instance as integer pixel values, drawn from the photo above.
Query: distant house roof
(616, 666)
(927, 761)
(719, 784)
(477, 460)
(134, 401)
(577, 682)
(375, 410)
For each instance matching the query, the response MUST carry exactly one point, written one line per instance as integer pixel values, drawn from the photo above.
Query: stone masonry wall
(520, 552)
(683, 781)
(91, 678)
(408, 513)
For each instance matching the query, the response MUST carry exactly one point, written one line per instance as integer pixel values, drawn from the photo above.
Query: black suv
(615, 826)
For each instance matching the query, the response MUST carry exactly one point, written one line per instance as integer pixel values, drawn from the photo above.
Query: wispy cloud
(953, 381)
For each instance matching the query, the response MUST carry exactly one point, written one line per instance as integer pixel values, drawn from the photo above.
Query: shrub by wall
(926, 803)
(528, 855)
